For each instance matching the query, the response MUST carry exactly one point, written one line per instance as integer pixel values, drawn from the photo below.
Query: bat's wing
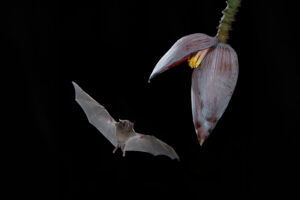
(96, 114)
(150, 144)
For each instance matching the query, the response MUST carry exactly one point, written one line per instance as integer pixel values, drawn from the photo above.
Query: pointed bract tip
(201, 138)
(201, 141)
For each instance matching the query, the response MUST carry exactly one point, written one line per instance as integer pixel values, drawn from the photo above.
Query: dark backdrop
(110, 49)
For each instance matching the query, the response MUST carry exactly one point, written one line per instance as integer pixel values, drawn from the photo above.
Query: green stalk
(228, 17)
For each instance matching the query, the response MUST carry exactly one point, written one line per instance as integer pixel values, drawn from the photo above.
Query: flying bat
(121, 134)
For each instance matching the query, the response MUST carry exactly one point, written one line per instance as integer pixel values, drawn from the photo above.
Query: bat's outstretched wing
(96, 114)
(150, 144)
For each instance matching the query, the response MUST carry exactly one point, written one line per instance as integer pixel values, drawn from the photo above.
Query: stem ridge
(228, 17)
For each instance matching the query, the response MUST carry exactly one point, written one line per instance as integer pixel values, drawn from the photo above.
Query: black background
(110, 49)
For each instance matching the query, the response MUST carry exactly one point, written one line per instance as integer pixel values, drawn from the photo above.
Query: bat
(121, 134)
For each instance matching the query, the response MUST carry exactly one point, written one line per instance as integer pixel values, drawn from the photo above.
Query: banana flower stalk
(215, 71)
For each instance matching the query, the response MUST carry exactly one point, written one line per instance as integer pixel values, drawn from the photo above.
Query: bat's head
(125, 124)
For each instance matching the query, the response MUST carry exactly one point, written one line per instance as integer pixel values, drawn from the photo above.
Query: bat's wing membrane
(96, 114)
(150, 144)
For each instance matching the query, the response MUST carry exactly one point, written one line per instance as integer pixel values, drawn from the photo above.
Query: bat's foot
(115, 149)
(124, 150)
